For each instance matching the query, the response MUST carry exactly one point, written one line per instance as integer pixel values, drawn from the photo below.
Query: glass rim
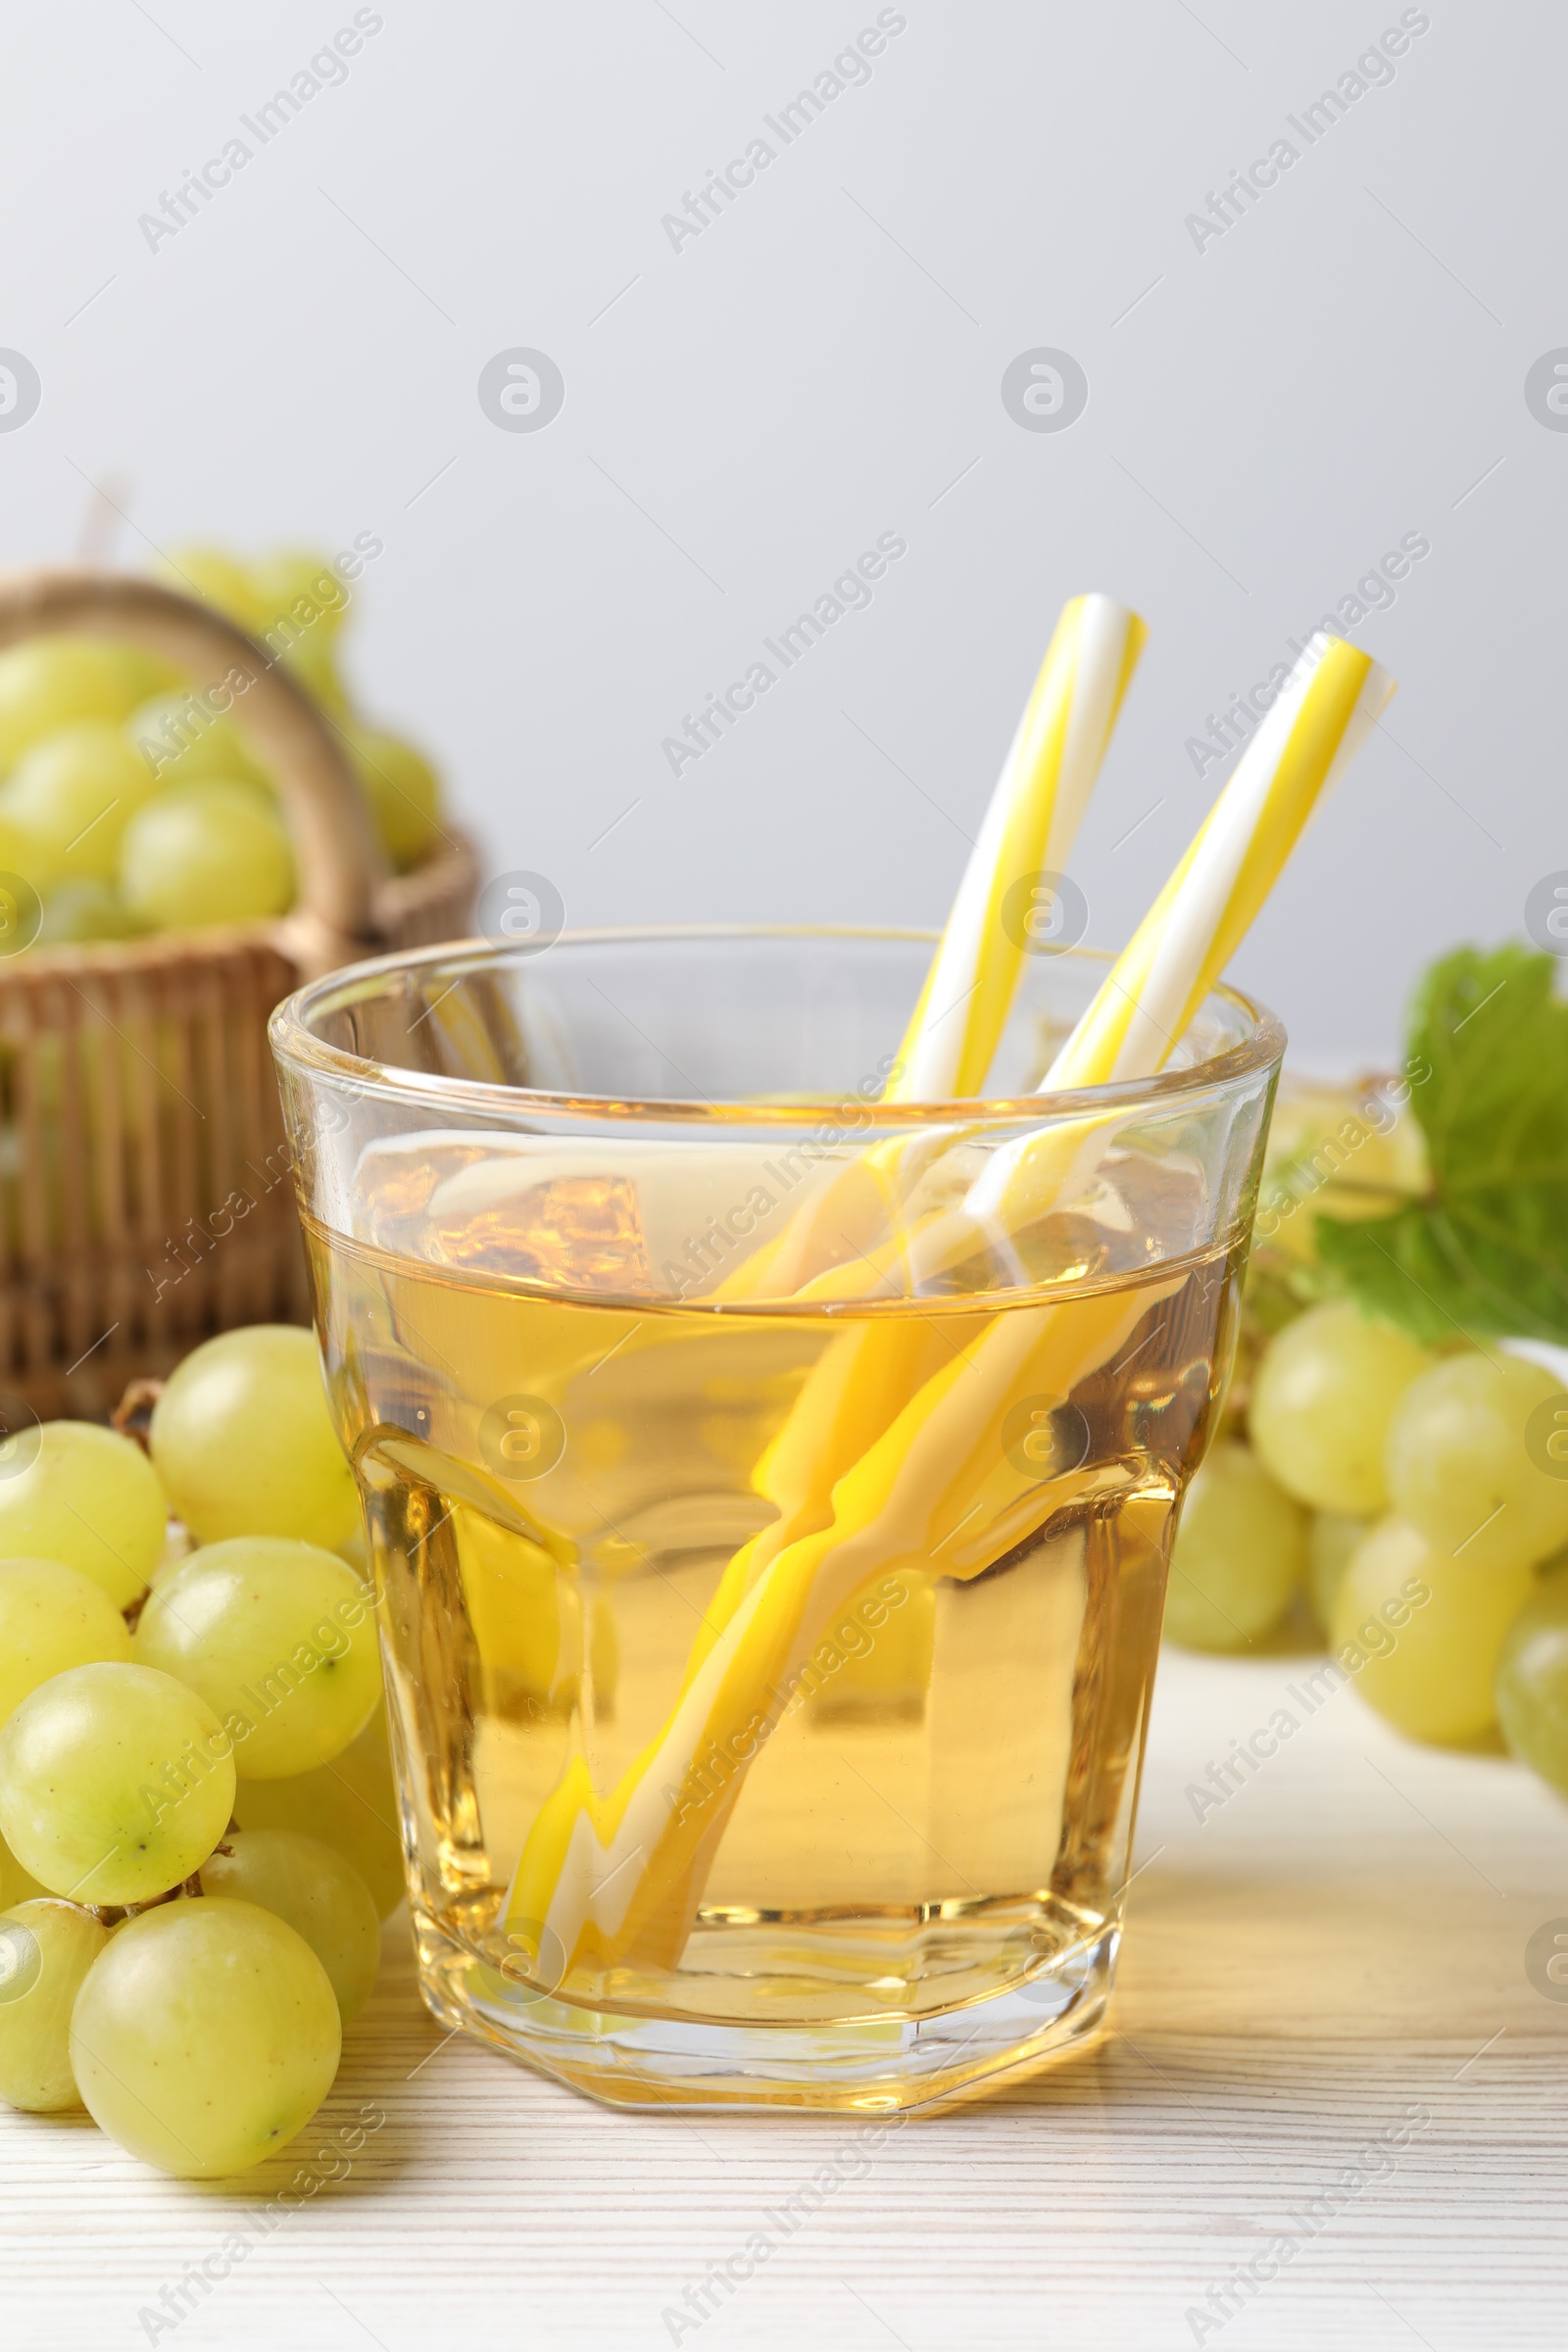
(294, 1042)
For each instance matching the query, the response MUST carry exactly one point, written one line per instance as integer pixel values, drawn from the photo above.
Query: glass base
(877, 2065)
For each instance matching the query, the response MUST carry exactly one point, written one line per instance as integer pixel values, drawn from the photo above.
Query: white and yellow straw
(620, 1878)
(1323, 715)
(1029, 828)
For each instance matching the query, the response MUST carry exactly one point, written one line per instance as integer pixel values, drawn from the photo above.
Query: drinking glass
(769, 1599)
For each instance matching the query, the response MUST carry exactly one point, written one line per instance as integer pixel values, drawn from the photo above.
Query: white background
(1266, 417)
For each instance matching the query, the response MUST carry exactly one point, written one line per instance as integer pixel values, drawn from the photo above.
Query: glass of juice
(769, 1550)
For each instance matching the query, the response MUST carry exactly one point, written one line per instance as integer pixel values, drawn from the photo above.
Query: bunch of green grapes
(198, 1830)
(131, 802)
(1414, 1504)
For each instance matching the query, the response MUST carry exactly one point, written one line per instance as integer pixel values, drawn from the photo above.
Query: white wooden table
(1342, 1943)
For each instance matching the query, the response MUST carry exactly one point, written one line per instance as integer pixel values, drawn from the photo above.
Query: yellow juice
(931, 1799)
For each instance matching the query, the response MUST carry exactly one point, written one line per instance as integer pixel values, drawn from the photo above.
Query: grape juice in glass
(769, 1658)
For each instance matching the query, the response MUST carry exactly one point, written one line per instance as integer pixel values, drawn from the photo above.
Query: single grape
(74, 793)
(46, 1948)
(205, 2036)
(86, 1496)
(182, 742)
(1420, 1633)
(1336, 1153)
(138, 673)
(116, 1782)
(280, 1639)
(295, 590)
(17, 1885)
(1331, 1539)
(1458, 1466)
(1322, 1397)
(206, 853)
(21, 852)
(1532, 1682)
(309, 662)
(350, 1804)
(75, 913)
(51, 682)
(52, 1617)
(1240, 1554)
(312, 1887)
(404, 794)
(245, 1445)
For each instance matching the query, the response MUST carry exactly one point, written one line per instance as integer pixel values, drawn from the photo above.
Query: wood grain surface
(1337, 1950)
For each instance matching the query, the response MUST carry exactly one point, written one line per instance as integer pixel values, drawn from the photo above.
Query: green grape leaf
(1486, 1249)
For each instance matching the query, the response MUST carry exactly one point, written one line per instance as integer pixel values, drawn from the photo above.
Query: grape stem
(133, 1413)
(109, 1915)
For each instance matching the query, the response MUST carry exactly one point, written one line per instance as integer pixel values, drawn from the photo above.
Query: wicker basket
(145, 1193)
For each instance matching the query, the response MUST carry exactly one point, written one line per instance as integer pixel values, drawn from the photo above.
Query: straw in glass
(1028, 831)
(621, 1877)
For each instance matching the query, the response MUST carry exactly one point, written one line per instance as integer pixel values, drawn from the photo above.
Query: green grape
(213, 578)
(1325, 1158)
(140, 674)
(280, 1641)
(292, 578)
(206, 853)
(17, 1885)
(1322, 1397)
(312, 1887)
(116, 1782)
(51, 682)
(52, 1617)
(404, 794)
(181, 742)
(1421, 1632)
(350, 1804)
(88, 1496)
(309, 662)
(205, 2036)
(1533, 1683)
(21, 852)
(46, 1948)
(1240, 1554)
(1331, 1539)
(244, 1442)
(74, 793)
(1458, 1468)
(78, 913)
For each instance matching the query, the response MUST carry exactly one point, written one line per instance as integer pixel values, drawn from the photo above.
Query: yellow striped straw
(1030, 825)
(622, 1875)
(1324, 713)
(1029, 828)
